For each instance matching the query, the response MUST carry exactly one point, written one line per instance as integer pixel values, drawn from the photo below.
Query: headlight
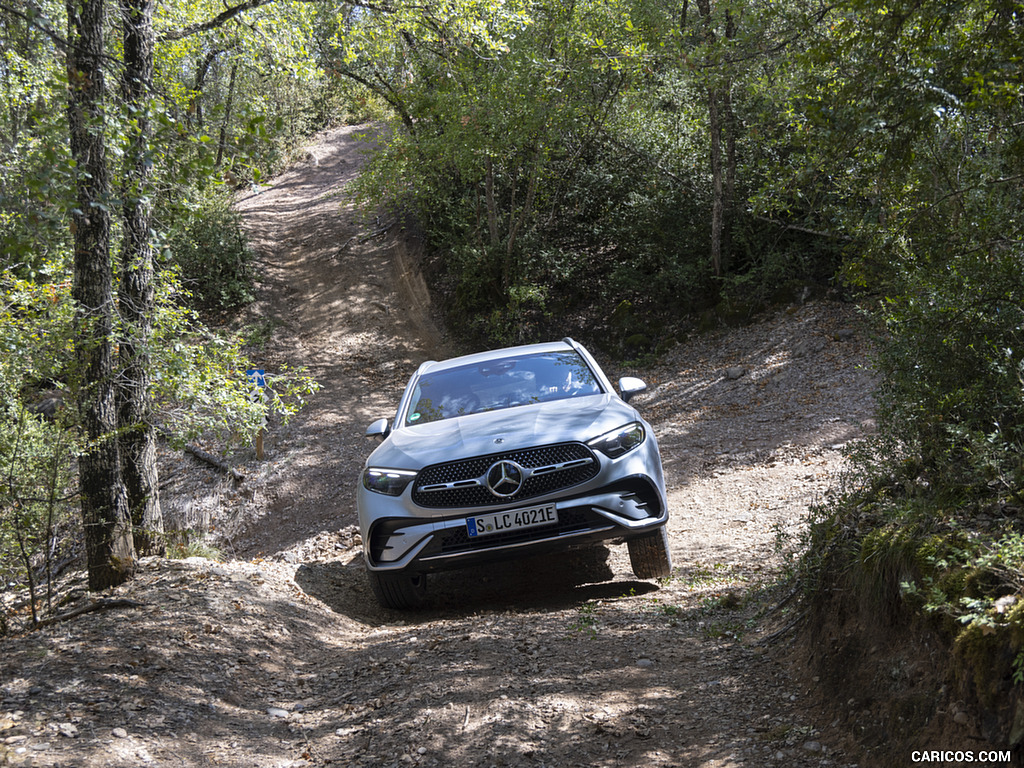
(390, 482)
(619, 441)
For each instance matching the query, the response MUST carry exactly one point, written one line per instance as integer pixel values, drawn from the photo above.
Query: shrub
(952, 362)
(35, 504)
(213, 254)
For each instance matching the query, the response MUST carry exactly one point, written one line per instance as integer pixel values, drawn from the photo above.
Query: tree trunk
(518, 219)
(195, 108)
(729, 187)
(730, 129)
(717, 200)
(492, 205)
(222, 143)
(136, 296)
(722, 127)
(108, 541)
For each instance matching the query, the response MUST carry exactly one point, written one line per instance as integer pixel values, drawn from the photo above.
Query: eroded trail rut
(280, 657)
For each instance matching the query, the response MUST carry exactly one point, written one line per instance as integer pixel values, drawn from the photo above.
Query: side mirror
(379, 428)
(630, 386)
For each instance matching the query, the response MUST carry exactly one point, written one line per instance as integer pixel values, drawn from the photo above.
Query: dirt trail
(346, 300)
(279, 656)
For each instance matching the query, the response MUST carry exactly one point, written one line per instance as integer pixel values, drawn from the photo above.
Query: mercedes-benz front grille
(504, 478)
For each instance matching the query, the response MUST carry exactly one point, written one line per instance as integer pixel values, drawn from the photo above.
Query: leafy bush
(929, 187)
(35, 504)
(198, 382)
(214, 257)
(952, 363)
(36, 455)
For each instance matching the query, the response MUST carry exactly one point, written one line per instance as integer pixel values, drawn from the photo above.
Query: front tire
(649, 555)
(399, 591)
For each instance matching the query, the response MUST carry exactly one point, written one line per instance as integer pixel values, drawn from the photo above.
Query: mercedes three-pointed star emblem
(505, 478)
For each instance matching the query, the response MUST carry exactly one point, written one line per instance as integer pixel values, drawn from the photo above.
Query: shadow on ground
(547, 582)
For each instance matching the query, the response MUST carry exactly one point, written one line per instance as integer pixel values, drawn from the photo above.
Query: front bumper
(632, 505)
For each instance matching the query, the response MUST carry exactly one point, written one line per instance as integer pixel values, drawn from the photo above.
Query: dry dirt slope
(278, 656)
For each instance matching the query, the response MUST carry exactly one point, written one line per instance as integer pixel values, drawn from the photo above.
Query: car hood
(510, 429)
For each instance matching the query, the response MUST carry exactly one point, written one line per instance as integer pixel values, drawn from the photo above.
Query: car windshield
(503, 383)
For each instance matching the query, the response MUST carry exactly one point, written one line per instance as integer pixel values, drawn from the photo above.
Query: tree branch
(96, 605)
(36, 19)
(686, 184)
(385, 91)
(804, 230)
(225, 16)
(209, 458)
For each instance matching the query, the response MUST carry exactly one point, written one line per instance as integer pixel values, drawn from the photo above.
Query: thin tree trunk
(136, 296)
(715, 131)
(730, 128)
(729, 185)
(717, 206)
(722, 128)
(531, 193)
(492, 209)
(195, 106)
(222, 144)
(108, 541)
(519, 219)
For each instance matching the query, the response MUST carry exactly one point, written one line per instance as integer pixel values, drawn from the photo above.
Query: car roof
(566, 345)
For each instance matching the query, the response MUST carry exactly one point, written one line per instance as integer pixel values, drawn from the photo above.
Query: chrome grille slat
(562, 465)
(449, 486)
(547, 469)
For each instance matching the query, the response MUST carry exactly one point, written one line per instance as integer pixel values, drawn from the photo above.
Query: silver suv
(505, 454)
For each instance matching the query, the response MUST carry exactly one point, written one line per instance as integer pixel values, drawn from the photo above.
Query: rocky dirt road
(278, 656)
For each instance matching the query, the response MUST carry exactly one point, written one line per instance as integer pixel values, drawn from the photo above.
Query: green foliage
(499, 110)
(213, 255)
(35, 502)
(199, 384)
(36, 484)
(975, 587)
(976, 583)
(953, 371)
(251, 89)
(33, 230)
(918, 159)
(231, 99)
(185, 544)
(35, 330)
(35, 167)
(586, 621)
(930, 165)
(558, 157)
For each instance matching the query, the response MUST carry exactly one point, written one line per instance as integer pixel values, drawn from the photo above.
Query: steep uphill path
(279, 657)
(341, 295)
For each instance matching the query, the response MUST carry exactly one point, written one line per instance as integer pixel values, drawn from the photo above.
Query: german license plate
(512, 520)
